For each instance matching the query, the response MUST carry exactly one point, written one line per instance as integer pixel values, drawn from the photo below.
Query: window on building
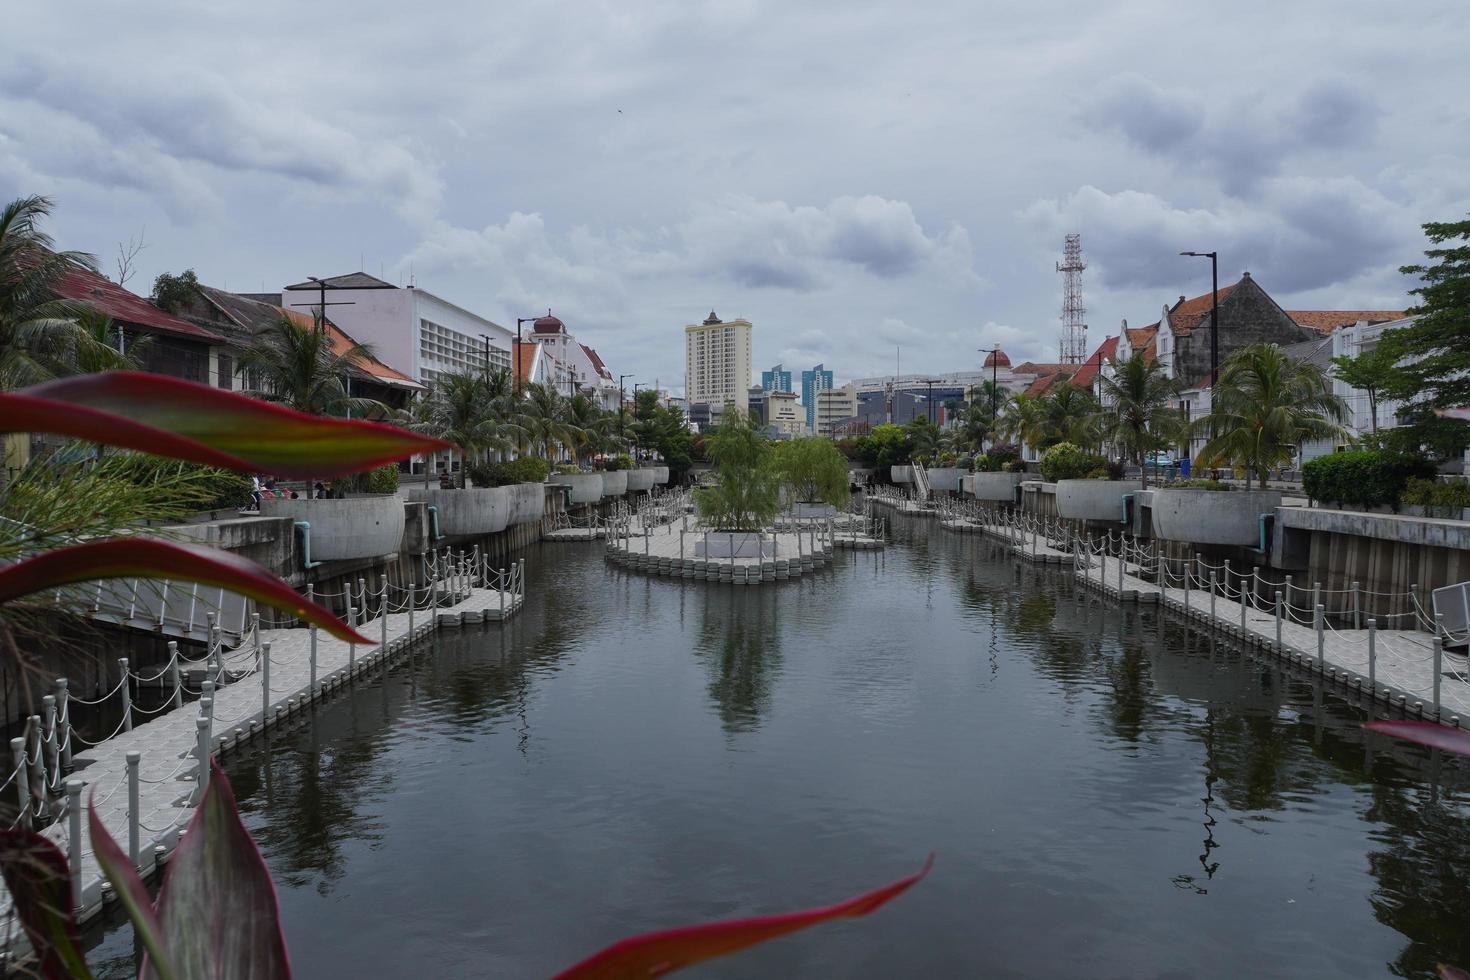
(226, 378)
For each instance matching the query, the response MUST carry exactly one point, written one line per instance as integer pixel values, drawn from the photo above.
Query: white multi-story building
(783, 412)
(834, 405)
(717, 361)
(583, 368)
(410, 327)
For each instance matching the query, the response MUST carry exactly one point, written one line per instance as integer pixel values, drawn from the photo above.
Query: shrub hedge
(1066, 461)
(1363, 478)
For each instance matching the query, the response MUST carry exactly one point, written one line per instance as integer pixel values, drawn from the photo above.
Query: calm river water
(1108, 796)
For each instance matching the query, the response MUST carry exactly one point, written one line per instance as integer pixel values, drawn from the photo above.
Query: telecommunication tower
(1074, 331)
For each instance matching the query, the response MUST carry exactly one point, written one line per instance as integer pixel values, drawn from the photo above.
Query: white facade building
(835, 405)
(717, 363)
(581, 364)
(423, 334)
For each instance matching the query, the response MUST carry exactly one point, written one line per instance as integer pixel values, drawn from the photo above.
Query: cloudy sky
(852, 177)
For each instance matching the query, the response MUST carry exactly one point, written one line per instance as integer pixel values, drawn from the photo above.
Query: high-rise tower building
(776, 379)
(813, 381)
(717, 363)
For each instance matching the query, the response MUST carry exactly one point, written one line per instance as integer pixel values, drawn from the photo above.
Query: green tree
(973, 428)
(924, 437)
(1022, 419)
(1371, 371)
(174, 293)
(39, 333)
(1434, 374)
(887, 445)
(1262, 406)
(296, 366)
(746, 495)
(1138, 413)
(814, 470)
(1069, 414)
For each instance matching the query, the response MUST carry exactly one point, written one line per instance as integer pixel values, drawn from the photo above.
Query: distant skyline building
(777, 379)
(833, 407)
(717, 363)
(813, 381)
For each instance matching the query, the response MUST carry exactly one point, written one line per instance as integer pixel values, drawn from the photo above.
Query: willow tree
(747, 492)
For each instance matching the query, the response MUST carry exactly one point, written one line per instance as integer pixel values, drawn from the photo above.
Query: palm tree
(97, 347)
(1263, 405)
(1069, 414)
(544, 415)
(1022, 419)
(973, 428)
(923, 436)
(1138, 413)
(296, 366)
(595, 428)
(38, 331)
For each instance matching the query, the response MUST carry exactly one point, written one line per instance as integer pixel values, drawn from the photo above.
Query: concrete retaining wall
(1093, 500)
(901, 474)
(946, 478)
(528, 502)
(640, 480)
(346, 528)
(582, 488)
(993, 486)
(484, 510)
(615, 484)
(1212, 516)
(1038, 497)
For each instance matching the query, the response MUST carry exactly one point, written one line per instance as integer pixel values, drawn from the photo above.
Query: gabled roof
(88, 287)
(601, 368)
(253, 316)
(1043, 384)
(523, 364)
(1035, 367)
(1141, 337)
(1317, 351)
(1187, 314)
(352, 280)
(1087, 373)
(1326, 321)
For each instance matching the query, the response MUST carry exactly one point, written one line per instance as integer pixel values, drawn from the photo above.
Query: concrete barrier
(944, 478)
(660, 475)
(737, 544)
(528, 502)
(640, 480)
(369, 526)
(1212, 516)
(901, 474)
(1094, 500)
(479, 510)
(615, 483)
(993, 486)
(582, 488)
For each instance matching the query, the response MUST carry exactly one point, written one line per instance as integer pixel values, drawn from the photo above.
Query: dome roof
(548, 324)
(997, 358)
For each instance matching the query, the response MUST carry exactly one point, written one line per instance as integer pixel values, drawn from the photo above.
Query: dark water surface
(1108, 796)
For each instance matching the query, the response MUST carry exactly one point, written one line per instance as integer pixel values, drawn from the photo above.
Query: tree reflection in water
(739, 640)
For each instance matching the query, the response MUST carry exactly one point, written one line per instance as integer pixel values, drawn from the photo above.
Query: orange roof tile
(1186, 314)
(1326, 321)
(1042, 384)
(524, 361)
(127, 307)
(342, 342)
(1087, 373)
(1035, 367)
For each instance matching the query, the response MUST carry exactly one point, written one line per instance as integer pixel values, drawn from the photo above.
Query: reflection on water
(1110, 794)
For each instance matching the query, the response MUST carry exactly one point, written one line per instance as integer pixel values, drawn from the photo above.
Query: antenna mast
(1074, 331)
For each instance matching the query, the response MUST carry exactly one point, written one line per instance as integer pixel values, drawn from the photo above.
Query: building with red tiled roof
(581, 368)
(1327, 321)
(175, 346)
(1092, 367)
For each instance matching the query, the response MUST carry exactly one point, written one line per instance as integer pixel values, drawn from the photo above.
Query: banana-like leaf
(654, 954)
(39, 883)
(1429, 733)
(149, 558)
(118, 868)
(183, 420)
(221, 920)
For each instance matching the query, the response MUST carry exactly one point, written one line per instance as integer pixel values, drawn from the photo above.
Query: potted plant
(1081, 495)
(813, 472)
(945, 475)
(746, 496)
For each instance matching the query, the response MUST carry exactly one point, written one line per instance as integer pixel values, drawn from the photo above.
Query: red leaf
(118, 867)
(39, 881)
(183, 420)
(221, 920)
(1428, 733)
(1447, 972)
(152, 559)
(654, 954)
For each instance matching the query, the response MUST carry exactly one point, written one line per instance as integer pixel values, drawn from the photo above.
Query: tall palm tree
(1262, 406)
(1069, 414)
(973, 428)
(38, 331)
(1022, 419)
(544, 415)
(295, 365)
(1138, 413)
(594, 427)
(98, 346)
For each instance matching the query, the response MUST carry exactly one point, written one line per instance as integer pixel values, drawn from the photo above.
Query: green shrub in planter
(1451, 495)
(1199, 485)
(384, 479)
(625, 462)
(1065, 461)
(568, 469)
(527, 469)
(1363, 478)
(964, 464)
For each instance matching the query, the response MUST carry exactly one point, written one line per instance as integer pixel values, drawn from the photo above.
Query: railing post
(22, 783)
(351, 647)
(63, 720)
(1278, 620)
(1320, 614)
(1373, 657)
(175, 676)
(74, 838)
(412, 601)
(1212, 598)
(206, 698)
(1438, 670)
(1357, 607)
(265, 684)
(1316, 594)
(127, 694)
(133, 758)
(1188, 569)
(201, 750)
(1288, 589)
(48, 737)
(383, 619)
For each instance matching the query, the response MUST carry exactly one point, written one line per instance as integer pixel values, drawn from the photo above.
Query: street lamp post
(994, 353)
(929, 397)
(622, 406)
(1214, 311)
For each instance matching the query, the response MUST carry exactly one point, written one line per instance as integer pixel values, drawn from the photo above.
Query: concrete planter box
(1094, 500)
(1439, 513)
(482, 510)
(945, 478)
(528, 502)
(806, 510)
(660, 475)
(1212, 516)
(582, 488)
(901, 474)
(615, 484)
(640, 480)
(993, 486)
(345, 528)
(734, 544)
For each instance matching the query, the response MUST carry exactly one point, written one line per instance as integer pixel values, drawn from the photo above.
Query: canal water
(1107, 794)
